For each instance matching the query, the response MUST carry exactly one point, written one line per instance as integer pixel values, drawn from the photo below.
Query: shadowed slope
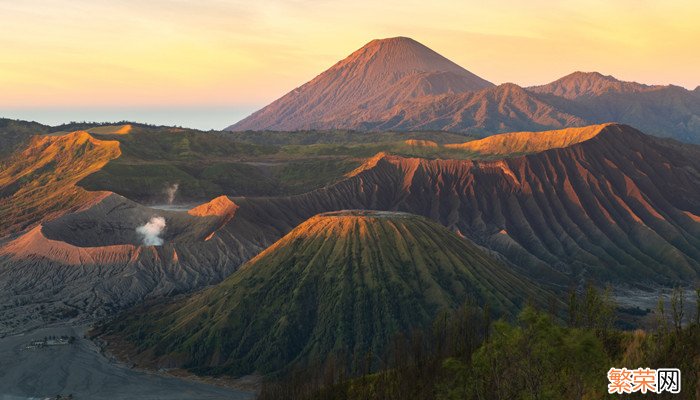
(15, 133)
(669, 111)
(341, 281)
(666, 111)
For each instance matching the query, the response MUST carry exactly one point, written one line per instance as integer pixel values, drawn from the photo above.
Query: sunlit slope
(14, 134)
(39, 183)
(345, 281)
(528, 142)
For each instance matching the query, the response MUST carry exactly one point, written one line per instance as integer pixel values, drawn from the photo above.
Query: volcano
(604, 203)
(347, 280)
(371, 80)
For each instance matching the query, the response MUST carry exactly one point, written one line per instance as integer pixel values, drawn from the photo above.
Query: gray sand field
(79, 369)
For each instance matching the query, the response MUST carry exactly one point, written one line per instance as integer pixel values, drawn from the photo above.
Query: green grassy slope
(340, 282)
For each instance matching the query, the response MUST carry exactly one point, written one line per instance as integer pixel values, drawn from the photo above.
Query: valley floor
(81, 370)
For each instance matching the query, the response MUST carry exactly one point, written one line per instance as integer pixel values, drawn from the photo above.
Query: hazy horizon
(196, 117)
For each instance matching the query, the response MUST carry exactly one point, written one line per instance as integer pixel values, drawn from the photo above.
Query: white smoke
(171, 191)
(151, 231)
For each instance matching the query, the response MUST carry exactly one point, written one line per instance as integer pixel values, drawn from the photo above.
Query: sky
(208, 63)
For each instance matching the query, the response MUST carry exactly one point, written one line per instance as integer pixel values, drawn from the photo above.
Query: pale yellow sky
(181, 53)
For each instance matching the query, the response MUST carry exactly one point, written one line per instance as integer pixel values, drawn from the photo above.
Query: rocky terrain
(39, 183)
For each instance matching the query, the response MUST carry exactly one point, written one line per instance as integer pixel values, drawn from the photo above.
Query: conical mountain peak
(368, 82)
(401, 55)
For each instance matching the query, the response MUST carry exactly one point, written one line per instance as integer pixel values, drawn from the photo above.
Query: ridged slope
(15, 133)
(620, 205)
(347, 281)
(666, 111)
(372, 79)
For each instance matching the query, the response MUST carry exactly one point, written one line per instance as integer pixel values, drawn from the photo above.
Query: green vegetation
(209, 164)
(341, 283)
(341, 137)
(534, 357)
(367, 150)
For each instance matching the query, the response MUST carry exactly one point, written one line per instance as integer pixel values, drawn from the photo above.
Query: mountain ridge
(444, 101)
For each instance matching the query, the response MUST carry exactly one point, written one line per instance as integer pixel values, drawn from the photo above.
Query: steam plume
(151, 231)
(171, 191)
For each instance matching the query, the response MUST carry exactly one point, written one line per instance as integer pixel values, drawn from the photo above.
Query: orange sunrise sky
(220, 60)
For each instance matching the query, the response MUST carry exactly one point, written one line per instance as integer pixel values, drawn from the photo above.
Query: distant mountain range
(399, 84)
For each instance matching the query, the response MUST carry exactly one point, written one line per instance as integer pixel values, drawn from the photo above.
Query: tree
(677, 300)
(538, 359)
